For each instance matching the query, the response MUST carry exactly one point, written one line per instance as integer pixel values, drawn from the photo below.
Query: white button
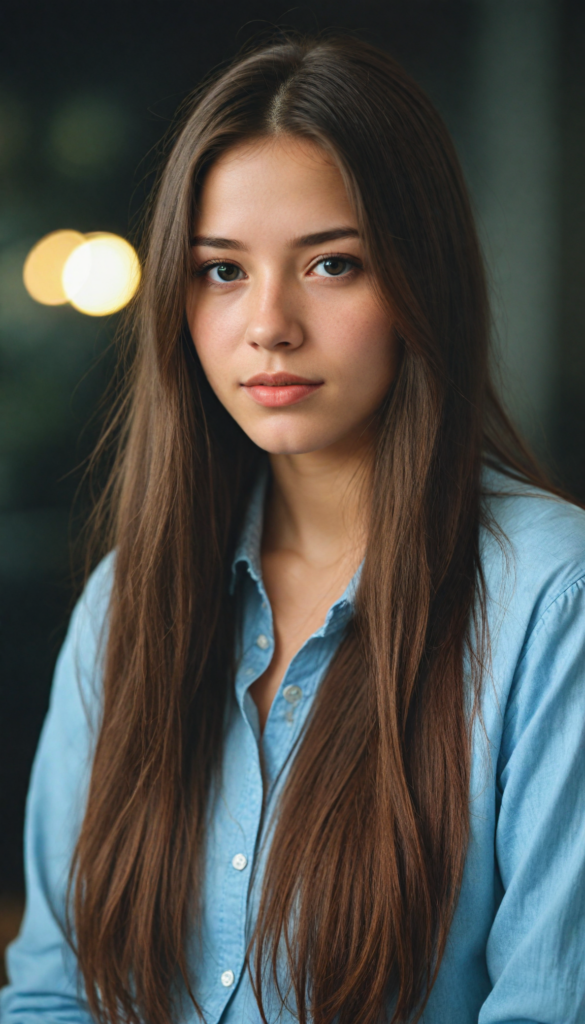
(292, 694)
(228, 978)
(239, 862)
(263, 642)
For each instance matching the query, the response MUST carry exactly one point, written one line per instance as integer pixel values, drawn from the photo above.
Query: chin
(292, 441)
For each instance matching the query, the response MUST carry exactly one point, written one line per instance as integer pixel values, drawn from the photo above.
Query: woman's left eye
(334, 266)
(222, 273)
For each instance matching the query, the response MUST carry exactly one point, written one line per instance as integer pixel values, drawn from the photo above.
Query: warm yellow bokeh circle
(101, 275)
(43, 267)
(97, 273)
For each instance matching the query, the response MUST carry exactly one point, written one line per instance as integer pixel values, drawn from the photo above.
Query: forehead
(280, 177)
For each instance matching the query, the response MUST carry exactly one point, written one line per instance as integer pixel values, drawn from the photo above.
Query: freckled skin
(284, 311)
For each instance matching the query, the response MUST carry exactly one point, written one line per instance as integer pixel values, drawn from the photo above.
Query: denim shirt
(516, 949)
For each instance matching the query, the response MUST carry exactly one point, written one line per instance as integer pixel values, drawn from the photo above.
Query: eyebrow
(297, 243)
(324, 236)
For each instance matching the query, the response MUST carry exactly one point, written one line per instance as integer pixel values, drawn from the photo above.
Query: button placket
(292, 694)
(244, 814)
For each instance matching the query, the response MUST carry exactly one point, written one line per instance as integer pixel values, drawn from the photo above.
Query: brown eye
(226, 272)
(333, 266)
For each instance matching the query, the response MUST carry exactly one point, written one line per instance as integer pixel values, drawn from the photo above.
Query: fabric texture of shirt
(516, 949)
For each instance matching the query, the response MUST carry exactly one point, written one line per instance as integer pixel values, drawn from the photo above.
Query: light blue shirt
(516, 950)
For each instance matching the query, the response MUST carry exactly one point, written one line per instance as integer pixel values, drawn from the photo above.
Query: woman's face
(283, 311)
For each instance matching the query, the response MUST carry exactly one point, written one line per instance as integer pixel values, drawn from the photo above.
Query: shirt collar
(248, 549)
(248, 554)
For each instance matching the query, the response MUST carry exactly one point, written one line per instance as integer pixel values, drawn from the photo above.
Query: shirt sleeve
(42, 969)
(536, 947)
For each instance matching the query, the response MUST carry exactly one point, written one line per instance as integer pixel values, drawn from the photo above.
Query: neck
(317, 507)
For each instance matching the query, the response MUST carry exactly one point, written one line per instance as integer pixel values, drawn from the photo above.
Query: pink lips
(278, 389)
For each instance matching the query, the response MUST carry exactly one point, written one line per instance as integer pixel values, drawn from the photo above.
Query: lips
(278, 380)
(279, 389)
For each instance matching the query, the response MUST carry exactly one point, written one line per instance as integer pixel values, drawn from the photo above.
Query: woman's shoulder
(533, 544)
(89, 618)
(77, 681)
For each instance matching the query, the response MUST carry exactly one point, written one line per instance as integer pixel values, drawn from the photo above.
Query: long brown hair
(366, 864)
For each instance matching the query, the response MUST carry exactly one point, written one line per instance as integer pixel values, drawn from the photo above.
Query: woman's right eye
(222, 273)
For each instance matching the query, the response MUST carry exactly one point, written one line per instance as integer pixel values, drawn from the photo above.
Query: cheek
(214, 338)
(362, 344)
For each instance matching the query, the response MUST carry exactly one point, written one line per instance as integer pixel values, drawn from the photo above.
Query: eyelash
(352, 260)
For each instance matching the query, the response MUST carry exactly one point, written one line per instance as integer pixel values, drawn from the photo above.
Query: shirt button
(239, 862)
(263, 642)
(292, 694)
(228, 978)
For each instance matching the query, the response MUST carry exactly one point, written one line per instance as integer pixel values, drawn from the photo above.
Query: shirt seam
(539, 625)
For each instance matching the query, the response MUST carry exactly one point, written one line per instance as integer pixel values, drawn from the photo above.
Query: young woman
(315, 744)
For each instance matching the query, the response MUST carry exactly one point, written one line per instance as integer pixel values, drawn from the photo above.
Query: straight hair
(370, 837)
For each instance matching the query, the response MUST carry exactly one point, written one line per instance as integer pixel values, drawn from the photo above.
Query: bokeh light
(101, 275)
(43, 268)
(97, 273)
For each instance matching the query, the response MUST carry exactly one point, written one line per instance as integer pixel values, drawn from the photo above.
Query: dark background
(87, 90)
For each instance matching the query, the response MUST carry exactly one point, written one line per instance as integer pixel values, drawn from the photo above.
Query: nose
(274, 317)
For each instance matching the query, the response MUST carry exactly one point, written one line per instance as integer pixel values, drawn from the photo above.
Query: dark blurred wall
(86, 92)
(516, 186)
(568, 425)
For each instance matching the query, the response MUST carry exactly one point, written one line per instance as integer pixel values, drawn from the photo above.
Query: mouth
(280, 389)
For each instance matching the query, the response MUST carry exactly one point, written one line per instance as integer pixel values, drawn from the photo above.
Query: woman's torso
(514, 950)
